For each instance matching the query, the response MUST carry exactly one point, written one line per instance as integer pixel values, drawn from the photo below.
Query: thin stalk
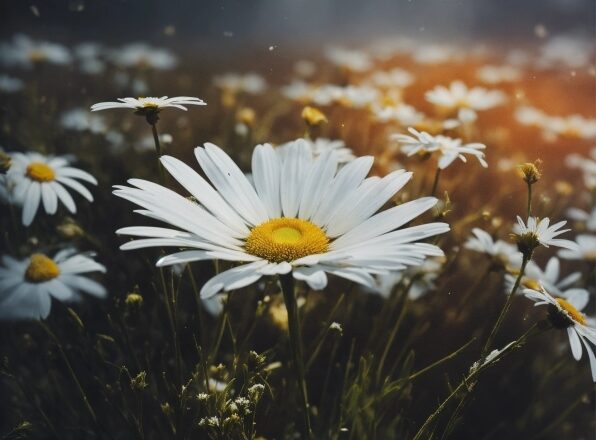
(436, 182)
(529, 199)
(287, 288)
(162, 177)
(505, 308)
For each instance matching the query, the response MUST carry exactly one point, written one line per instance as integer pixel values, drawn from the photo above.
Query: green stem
(505, 308)
(529, 199)
(436, 182)
(287, 288)
(162, 178)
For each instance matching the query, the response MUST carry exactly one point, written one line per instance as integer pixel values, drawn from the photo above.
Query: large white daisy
(149, 104)
(566, 313)
(27, 286)
(302, 216)
(34, 177)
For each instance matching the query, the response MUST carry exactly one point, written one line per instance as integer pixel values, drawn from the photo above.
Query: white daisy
(498, 74)
(500, 251)
(143, 56)
(80, 119)
(9, 84)
(89, 56)
(26, 286)
(538, 232)
(401, 113)
(142, 105)
(458, 96)
(587, 165)
(421, 279)
(534, 277)
(354, 60)
(302, 216)
(588, 218)
(395, 78)
(565, 313)
(34, 178)
(448, 148)
(585, 249)
(319, 146)
(251, 83)
(25, 52)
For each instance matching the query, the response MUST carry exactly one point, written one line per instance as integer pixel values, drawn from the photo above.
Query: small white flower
(149, 104)
(458, 96)
(395, 78)
(422, 279)
(498, 74)
(354, 60)
(251, 83)
(142, 56)
(89, 56)
(80, 119)
(319, 147)
(542, 233)
(587, 165)
(501, 251)
(567, 313)
(448, 148)
(9, 84)
(298, 91)
(25, 52)
(568, 51)
(34, 178)
(402, 113)
(585, 249)
(27, 286)
(588, 218)
(434, 54)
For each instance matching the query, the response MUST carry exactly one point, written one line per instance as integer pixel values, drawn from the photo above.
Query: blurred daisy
(251, 83)
(434, 54)
(498, 74)
(152, 104)
(500, 251)
(35, 178)
(143, 56)
(588, 218)
(89, 56)
(299, 91)
(352, 60)
(401, 113)
(538, 232)
(420, 279)
(585, 249)
(25, 52)
(9, 84)
(79, 119)
(319, 147)
(568, 51)
(458, 96)
(572, 126)
(301, 216)
(566, 313)
(587, 165)
(448, 148)
(395, 78)
(27, 286)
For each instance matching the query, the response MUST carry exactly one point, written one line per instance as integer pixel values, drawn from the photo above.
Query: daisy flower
(27, 286)
(25, 52)
(498, 74)
(422, 279)
(587, 166)
(319, 146)
(566, 313)
(534, 277)
(401, 113)
(251, 83)
(395, 78)
(150, 104)
(500, 251)
(588, 218)
(143, 56)
(585, 249)
(34, 178)
(538, 232)
(301, 216)
(458, 96)
(448, 148)
(353, 60)
(9, 84)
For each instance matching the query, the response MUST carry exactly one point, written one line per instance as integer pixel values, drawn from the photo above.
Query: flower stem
(436, 181)
(529, 199)
(505, 308)
(162, 178)
(287, 288)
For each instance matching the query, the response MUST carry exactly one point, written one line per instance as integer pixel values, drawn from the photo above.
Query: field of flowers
(391, 241)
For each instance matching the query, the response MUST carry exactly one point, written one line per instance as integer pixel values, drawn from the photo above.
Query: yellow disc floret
(573, 313)
(286, 239)
(41, 268)
(40, 172)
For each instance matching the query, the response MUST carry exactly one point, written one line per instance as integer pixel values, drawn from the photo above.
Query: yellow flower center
(36, 56)
(313, 116)
(40, 172)
(573, 313)
(41, 268)
(148, 103)
(286, 239)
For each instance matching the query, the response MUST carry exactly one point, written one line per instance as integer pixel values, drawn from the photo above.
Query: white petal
(314, 276)
(576, 346)
(31, 203)
(49, 198)
(266, 170)
(234, 278)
